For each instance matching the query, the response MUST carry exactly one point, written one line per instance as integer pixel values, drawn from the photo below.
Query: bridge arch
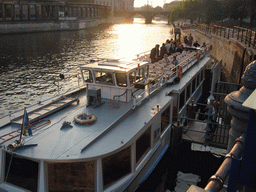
(149, 15)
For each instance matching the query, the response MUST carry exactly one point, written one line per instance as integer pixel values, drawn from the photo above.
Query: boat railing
(143, 56)
(168, 75)
(5, 119)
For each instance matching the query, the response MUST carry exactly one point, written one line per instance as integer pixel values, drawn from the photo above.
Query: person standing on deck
(167, 46)
(163, 51)
(154, 54)
(190, 39)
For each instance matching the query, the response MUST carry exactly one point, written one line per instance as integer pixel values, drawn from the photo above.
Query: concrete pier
(59, 25)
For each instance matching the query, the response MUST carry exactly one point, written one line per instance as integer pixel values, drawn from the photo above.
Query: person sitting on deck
(174, 61)
(185, 51)
(196, 44)
(204, 45)
(166, 61)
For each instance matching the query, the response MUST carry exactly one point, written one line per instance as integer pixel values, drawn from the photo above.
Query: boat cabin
(116, 79)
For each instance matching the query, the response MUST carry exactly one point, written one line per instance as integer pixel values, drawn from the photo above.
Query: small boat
(107, 135)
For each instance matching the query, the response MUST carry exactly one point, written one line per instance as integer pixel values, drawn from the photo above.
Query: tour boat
(107, 135)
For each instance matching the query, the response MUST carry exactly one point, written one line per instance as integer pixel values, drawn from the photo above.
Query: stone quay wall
(235, 55)
(59, 25)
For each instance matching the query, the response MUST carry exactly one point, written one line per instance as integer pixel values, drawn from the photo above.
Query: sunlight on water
(31, 63)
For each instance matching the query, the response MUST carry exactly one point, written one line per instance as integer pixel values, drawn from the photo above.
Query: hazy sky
(154, 3)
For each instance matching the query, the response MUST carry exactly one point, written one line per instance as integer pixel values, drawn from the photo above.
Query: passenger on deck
(172, 47)
(174, 61)
(185, 51)
(163, 51)
(154, 54)
(186, 40)
(178, 46)
(166, 61)
(204, 45)
(167, 46)
(190, 39)
(196, 44)
(178, 43)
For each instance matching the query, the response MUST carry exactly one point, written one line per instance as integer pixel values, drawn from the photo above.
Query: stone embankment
(235, 54)
(68, 23)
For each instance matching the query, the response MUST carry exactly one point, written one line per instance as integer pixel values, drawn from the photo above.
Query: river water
(31, 63)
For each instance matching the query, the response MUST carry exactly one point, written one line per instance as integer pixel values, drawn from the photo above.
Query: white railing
(5, 119)
(168, 75)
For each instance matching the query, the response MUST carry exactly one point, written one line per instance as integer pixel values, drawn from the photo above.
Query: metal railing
(160, 80)
(244, 35)
(7, 118)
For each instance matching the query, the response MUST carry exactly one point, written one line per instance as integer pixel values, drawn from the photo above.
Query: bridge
(149, 15)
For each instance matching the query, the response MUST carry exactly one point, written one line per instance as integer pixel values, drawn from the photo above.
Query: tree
(146, 7)
(237, 9)
(192, 10)
(251, 4)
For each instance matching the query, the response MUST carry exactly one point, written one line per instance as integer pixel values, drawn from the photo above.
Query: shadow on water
(183, 159)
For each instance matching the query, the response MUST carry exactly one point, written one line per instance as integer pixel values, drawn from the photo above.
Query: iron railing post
(216, 181)
(242, 36)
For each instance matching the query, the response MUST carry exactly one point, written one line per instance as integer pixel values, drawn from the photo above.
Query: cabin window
(193, 85)
(140, 74)
(188, 91)
(22, 172)
(103, 77)
(165, 119)
(146, 71)
(121, 79)
(87, 75)
(116, 166)
(143, 145)
(182, 99)
(71, 176)
(132, 78)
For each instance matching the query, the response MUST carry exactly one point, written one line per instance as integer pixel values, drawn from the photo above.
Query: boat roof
(113, 65)
(113, 128)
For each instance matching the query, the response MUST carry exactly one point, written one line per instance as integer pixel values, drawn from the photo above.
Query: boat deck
(117, 125)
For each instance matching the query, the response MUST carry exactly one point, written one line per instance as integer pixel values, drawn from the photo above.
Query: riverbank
(69, 23)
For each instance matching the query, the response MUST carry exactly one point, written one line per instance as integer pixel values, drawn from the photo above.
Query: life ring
(198, 57)
(85, 118)
(180, 71)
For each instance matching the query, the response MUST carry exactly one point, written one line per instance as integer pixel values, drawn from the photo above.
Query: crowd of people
(170, 46)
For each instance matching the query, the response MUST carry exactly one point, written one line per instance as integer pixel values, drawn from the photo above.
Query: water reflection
(31, 63)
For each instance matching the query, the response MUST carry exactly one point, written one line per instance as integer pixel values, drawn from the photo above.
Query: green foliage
(146, 7)
(211, 11)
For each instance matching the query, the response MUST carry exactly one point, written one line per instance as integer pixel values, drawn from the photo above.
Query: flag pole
(22, 126)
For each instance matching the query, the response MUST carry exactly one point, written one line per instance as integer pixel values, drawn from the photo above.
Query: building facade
(117, 6)
(21, 10)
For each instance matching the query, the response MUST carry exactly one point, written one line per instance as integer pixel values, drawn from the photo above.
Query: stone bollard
(234, 100)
